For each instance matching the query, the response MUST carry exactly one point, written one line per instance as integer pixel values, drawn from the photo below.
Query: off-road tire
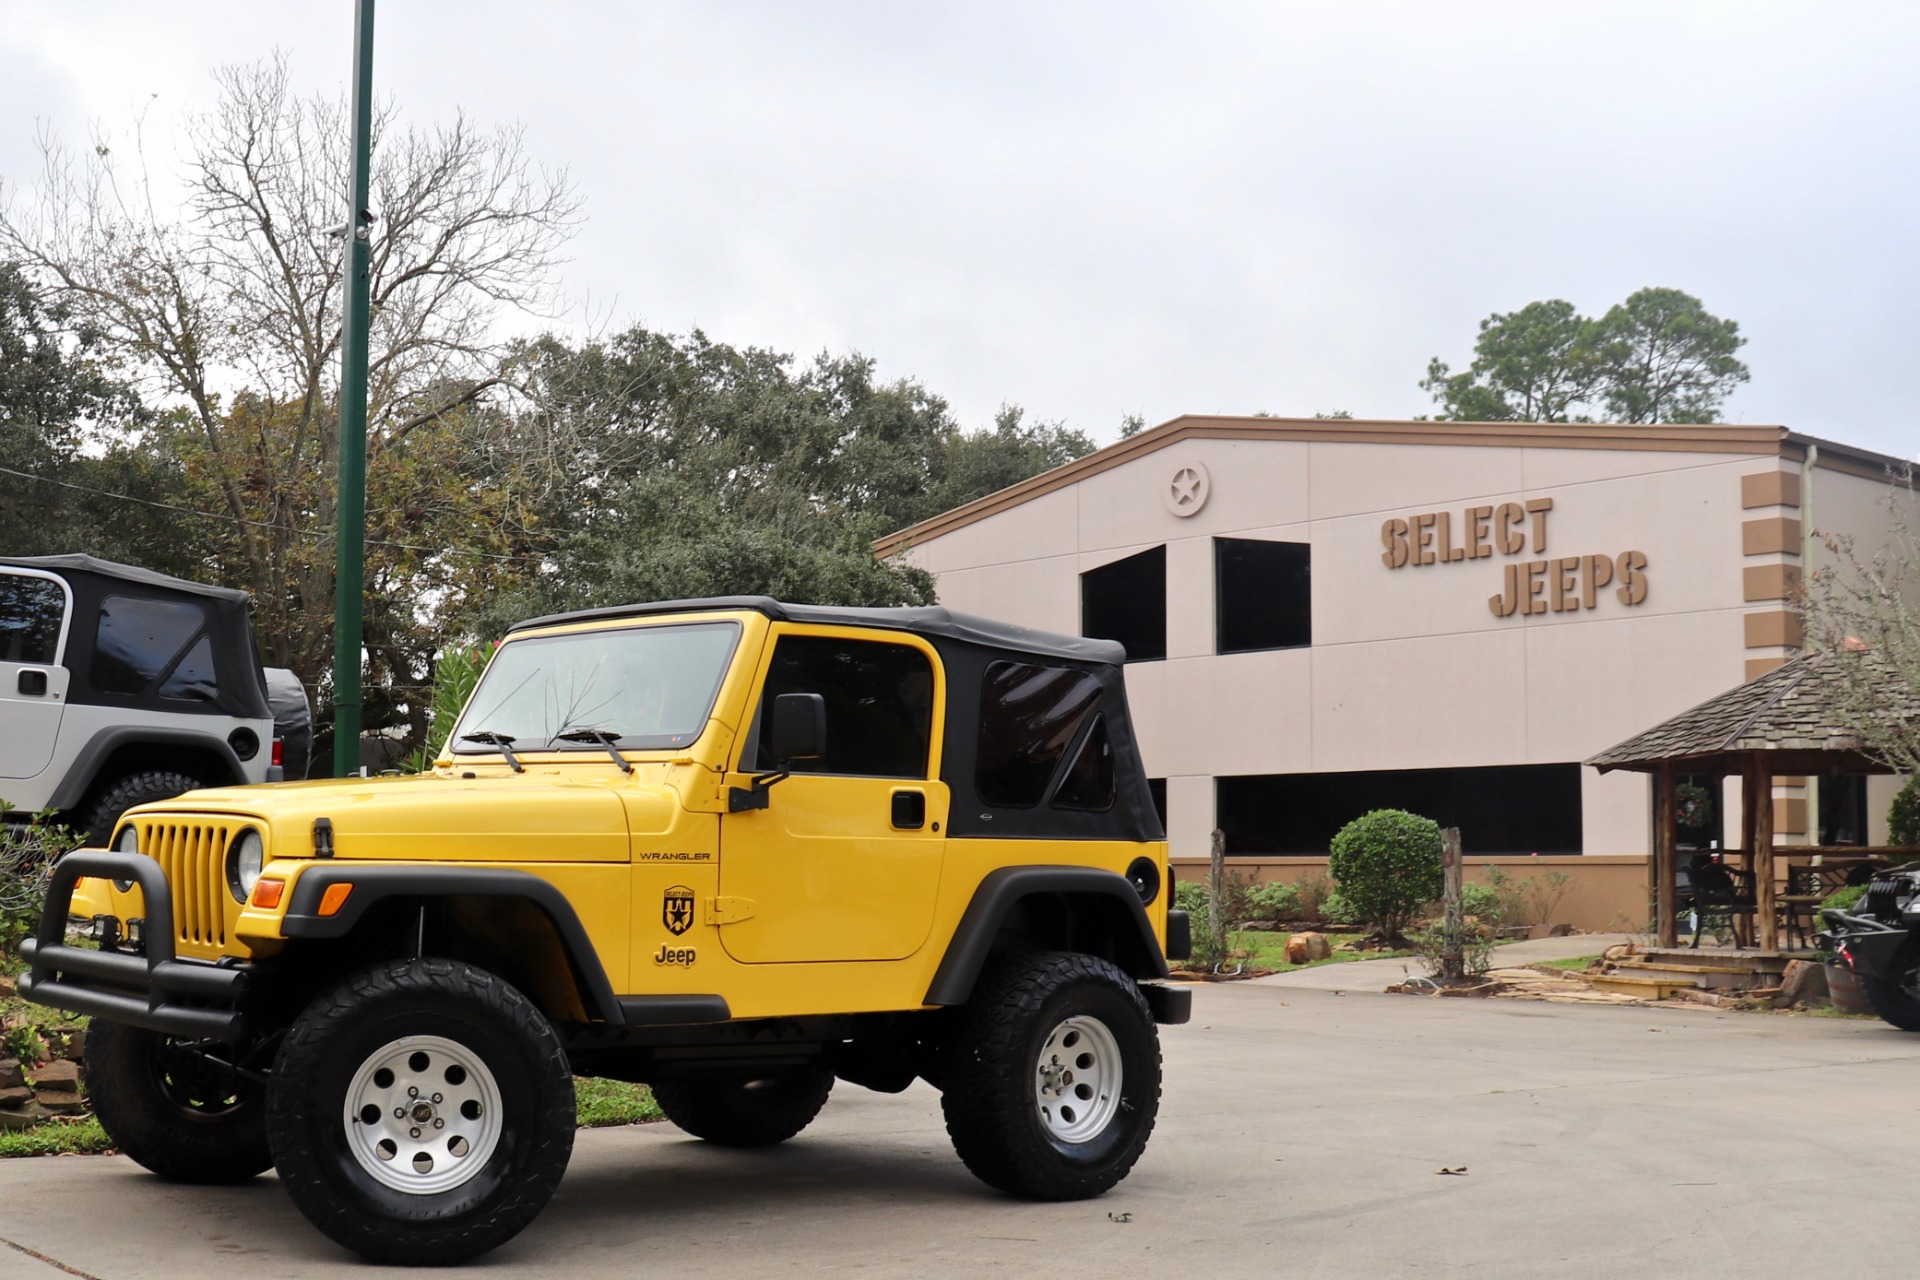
(172, 1112)
(121, 794)
(1895, 1000)
(993, 1102)
(327, 1053)
(745, 1112)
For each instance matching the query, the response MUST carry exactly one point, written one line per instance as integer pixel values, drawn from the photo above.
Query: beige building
(1329, 616)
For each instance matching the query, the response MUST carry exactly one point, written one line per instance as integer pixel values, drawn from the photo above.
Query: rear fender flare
(1001, 892)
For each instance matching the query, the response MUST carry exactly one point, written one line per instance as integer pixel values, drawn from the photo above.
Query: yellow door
(844, 861)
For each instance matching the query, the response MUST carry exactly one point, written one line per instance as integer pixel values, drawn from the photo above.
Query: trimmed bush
(1903, 815)
(1387, 864)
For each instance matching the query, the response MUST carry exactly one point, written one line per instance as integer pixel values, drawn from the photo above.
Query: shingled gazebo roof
(1793, 714)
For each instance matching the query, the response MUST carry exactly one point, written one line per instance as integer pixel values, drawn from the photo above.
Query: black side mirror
(798, 728)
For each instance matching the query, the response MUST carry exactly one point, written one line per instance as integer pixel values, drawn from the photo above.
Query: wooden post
(1217, 889)
(1664, 836)
(1453, 961)
(1764, 908)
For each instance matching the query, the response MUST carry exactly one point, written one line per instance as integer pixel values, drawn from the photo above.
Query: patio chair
(1720, 897)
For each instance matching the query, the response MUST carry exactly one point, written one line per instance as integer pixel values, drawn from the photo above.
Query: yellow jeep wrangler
(732, 848)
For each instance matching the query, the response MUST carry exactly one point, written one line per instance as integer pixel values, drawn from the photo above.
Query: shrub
(1337, 910)
(1903, 815)
(27, 852)
(1476, 948)
(1845, 899)
(1313, 891)
(1482, 903)
(1387, 864)
(454, 675)
(1273, 901)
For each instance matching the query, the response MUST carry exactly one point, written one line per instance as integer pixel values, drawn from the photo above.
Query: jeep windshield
(645, 688)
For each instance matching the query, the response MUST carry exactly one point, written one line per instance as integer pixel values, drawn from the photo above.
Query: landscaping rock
(60, 1074)
(1260, 926)
(59, 1102)
(1804, 982)
(11, 1076)
(1549, 931)
(77, 1044)
(23, 1118)
(1305, 948)
(16, 1096)
(1617, 952)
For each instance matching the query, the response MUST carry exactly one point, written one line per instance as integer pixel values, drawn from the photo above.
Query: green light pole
(350, 504)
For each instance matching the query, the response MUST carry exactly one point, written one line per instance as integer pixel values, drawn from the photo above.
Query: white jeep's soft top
(119, 685)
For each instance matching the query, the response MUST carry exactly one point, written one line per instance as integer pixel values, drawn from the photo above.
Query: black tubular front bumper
(1866, 945)
(149, 988)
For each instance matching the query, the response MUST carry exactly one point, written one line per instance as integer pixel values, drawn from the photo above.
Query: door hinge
(729, 910)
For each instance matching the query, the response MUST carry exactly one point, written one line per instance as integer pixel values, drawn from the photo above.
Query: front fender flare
(373, 884)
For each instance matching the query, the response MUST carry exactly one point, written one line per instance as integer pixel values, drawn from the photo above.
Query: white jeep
(119, 686)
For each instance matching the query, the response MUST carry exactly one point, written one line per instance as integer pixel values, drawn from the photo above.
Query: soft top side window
(1029, 716)
(139, 640)
(879, 700)
(32, 610)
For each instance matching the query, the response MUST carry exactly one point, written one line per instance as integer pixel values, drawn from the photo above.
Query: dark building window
(1029, 716)
(1262, 595)
(1127, 601)
(1531, 808)
(879, 704)
(1158, 786)
(1843, 809)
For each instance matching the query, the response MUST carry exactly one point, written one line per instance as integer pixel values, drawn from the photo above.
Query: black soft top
(125, 573)
(927, 620)
(973, 650)
(237, 688)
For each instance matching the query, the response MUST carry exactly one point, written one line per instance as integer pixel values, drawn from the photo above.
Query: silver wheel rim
(1076, 1082)
(422, 1115)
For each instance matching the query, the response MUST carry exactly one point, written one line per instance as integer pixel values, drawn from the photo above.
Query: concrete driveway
(1302, 1134)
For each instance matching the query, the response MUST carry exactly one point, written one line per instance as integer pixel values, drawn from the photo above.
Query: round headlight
(128, 842)
(244, 857)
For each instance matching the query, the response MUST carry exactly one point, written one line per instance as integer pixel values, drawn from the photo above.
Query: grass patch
(1268, 951)
(1577, 964)
(601, 1103)
(81, 1137)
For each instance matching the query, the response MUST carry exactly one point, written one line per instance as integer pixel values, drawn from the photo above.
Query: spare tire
(292, 721)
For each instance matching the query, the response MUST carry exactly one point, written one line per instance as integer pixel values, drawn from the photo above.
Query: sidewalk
(1376, 975)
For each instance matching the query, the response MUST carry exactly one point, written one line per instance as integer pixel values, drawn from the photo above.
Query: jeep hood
(542, 816)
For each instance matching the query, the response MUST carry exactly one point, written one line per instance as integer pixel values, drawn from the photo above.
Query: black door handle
(33, 683)
(909, 810)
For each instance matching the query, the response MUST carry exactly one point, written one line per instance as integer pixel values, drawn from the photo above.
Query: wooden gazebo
(1787, 722)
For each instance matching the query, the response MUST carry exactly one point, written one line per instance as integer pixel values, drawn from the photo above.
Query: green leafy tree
(1657, 357)
(1531, 365)
(1387, 864)
(1664, 358)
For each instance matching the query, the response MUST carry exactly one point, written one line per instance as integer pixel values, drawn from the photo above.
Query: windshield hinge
(729, 910)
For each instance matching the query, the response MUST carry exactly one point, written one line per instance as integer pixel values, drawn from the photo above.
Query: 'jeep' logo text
(676, 909)
(681, 957)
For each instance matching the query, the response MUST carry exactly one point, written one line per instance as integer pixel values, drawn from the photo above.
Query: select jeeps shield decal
(676, 909)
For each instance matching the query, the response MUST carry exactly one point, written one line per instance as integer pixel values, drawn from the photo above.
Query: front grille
(193, 855)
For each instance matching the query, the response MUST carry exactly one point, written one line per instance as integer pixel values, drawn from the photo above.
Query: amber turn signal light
(334, 898)
(266, 894)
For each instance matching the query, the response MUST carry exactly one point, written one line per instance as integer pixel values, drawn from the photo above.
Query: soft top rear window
(650, 687)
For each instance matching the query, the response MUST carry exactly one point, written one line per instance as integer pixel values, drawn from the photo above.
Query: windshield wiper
(500, 740)
(605, 737)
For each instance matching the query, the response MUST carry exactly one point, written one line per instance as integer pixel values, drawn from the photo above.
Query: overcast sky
(1106, 208)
